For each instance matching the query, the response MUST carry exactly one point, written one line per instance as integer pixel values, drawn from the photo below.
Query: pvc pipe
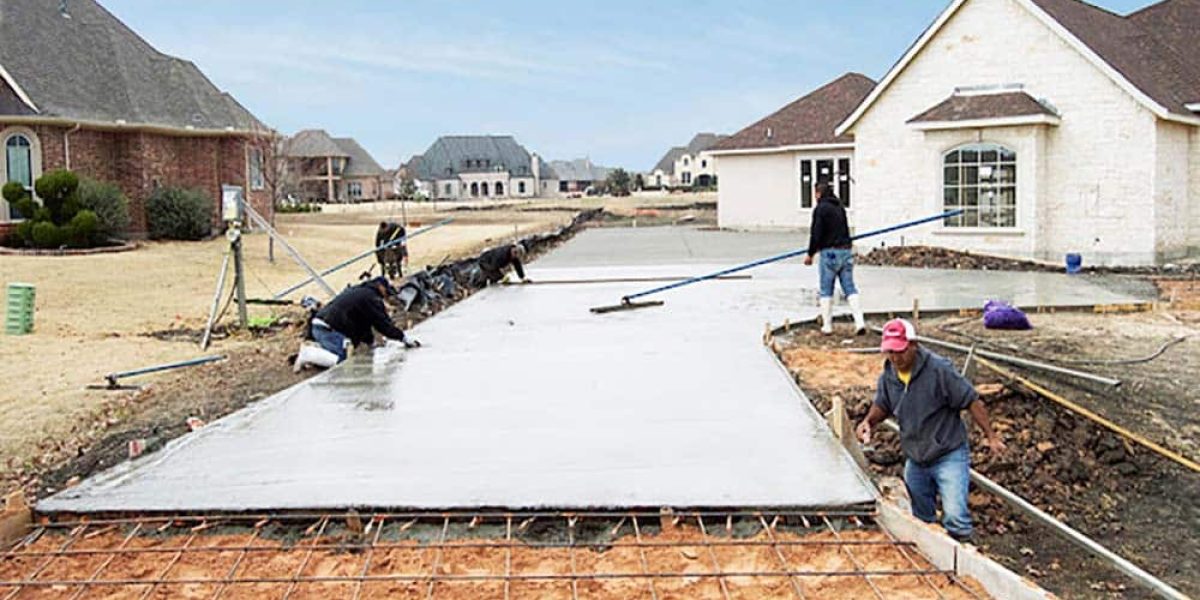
(1137, 573)
(113, 377)
(1013, 360)
(358, 257)
(787, 255)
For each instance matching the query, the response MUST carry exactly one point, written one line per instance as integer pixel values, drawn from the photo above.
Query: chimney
(535, 167)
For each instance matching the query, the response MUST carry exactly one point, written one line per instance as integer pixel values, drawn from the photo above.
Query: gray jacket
(928, 410)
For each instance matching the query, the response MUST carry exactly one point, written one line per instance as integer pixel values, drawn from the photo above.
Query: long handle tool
(627, 302)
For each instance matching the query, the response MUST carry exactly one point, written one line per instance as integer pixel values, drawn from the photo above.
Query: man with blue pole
(830, 238)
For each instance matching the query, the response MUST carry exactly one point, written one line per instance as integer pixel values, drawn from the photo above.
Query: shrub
(178, 214)
(23, 234)
(13, 192)
(57, 191)
(110, 206)
(47, 235)
(83, 230)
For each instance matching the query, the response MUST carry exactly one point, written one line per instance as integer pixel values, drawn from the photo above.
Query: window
(658, 180)
(685, 161)
(562, 186)
(520, 187)
(981, 179)
(483, 189)
(834, 171)
(355, 189)
(256, 169)
(686, 178)
(499, 187)
(18, 164)
(703, 164)
(449, 190)
(474, 188)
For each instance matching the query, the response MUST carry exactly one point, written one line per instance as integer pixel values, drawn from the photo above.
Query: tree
(639, 182)
(269, 149)
(617, 183)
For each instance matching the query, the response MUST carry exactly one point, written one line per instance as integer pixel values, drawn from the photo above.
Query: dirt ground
(1131, 500)
(678, 555)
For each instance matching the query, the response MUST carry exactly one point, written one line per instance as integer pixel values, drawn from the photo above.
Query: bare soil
(540, 572)
(1131, 500)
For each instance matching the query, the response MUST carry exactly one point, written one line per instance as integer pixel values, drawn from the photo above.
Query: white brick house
(1068, 129)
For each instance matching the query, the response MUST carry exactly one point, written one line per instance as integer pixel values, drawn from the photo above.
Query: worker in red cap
(926, 394)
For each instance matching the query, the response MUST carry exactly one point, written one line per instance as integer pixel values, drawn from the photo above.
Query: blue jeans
(330, 340)
(837, 264)
(948, 477)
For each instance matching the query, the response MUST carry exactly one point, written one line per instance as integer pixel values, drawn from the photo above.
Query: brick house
(79, 90)
(328, 169)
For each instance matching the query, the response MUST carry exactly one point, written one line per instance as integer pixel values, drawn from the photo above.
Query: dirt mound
(933, 257)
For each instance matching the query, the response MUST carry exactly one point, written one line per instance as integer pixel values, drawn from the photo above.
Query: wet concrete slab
(522, 398)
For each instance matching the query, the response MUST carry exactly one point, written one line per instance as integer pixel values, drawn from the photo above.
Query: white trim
(1083, 49)
(779, 149)
(908, 57)
(121, 125)
(979, 231)
(12, 83)
(1192, 106)
(985, 123)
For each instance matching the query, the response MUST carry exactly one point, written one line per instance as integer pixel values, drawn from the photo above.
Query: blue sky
(618, 81)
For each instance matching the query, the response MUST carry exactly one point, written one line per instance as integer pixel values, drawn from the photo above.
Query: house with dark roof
(1070, 129)
(459, 167)
(768, 170)
(686, 166)
(80, 90)
(578, 176)
(328, 169)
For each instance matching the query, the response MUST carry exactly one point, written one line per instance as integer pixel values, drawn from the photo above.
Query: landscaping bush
(109, 205)
(47, 235)
(22, 235)
(57, 191)
(178, 214)
(302, 207)
(83, 230)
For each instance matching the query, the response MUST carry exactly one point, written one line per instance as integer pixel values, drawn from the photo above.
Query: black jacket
(497, 259)
(358, 310)
(829, 227)
(392, 232)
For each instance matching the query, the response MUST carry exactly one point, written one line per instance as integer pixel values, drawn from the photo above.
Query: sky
(619, 81)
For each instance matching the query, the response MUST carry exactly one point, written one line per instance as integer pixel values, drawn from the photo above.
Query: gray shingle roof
(667, 163)
(580, 169)
(452, 155)
(92, 67)
(314, 143)
(703, 141)
(362, 164)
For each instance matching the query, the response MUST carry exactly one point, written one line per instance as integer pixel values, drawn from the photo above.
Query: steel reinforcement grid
(87, 557)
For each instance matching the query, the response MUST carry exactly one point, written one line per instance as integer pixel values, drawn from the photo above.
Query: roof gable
(1116, 45)
(666, 164)
(91, 67)
(314, 143)
(361, 164)
(809, 120)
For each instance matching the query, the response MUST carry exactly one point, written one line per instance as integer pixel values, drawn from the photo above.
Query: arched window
(685, 161)
(499, 188)
(520, 187)
(474, 188)
(483, 189)
(18, 160)
(981, 179)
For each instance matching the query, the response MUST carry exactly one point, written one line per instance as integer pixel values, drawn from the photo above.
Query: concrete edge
(965, 561)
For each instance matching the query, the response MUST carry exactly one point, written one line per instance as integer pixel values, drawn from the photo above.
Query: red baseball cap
(897, 334)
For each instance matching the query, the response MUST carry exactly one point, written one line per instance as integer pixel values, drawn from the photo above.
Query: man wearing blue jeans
(352, 317)
(830, 237)
(926, 394)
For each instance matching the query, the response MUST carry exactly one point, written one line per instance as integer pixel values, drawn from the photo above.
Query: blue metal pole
(113, 377)
(785, 256)
(358, 257)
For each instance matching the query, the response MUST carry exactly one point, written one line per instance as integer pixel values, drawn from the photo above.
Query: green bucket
(18, 316)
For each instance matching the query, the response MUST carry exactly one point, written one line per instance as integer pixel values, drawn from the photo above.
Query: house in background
(578, 176)
(80, 90)
(480, 166)
(768, 170)
(687, 166)
(327, 169)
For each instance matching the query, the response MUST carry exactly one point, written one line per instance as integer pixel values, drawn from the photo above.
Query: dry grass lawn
(93, 312)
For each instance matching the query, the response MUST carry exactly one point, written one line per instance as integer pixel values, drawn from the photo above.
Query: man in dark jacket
(494, 262)
(353, 316)
(391, 259)
(926, 394)
(830, 237)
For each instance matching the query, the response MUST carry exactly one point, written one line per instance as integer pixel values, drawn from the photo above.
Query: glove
(410, 344)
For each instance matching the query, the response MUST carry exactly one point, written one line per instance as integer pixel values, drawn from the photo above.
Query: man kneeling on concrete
(495, 262)
(926, 394)
(351, 317)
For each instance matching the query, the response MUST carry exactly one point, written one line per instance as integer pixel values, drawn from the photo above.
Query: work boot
(860, 324)
(826, 316)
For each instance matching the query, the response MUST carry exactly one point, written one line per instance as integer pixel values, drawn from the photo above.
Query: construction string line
(787, 255)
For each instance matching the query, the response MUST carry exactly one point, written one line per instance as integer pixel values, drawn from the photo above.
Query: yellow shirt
(905, 377)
